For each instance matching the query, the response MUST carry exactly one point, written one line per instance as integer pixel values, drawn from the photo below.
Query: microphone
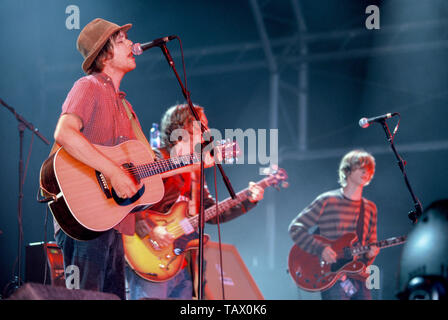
(365, 122)
(137, 48)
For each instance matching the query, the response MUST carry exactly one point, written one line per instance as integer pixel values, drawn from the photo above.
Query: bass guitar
(157, 264)
(310, 273)
(82, 200)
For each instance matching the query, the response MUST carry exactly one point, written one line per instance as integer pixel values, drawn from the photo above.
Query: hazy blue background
(350, 76)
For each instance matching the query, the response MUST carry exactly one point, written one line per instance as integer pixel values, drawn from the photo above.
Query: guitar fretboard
(229, 203)
(357, 250)
(161, 166)
(165, 165)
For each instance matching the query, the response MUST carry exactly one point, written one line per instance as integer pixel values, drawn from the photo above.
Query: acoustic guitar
(82, 200)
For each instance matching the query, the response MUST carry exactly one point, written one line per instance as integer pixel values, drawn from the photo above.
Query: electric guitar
(157, 264)
(310, 273)
(82, 200)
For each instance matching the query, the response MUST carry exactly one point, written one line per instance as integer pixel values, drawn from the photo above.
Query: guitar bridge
(103, 184)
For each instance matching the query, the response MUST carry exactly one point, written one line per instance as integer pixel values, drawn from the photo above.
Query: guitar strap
(360, 226)
(138, 134)
(137, 130)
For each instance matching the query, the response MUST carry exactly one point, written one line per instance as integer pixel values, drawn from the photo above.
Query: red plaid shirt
(94, 100)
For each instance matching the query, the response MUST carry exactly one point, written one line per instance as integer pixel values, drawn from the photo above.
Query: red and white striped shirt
(334, 215)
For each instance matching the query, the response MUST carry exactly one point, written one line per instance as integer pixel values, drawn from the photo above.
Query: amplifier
(41, 256)
(238, 282)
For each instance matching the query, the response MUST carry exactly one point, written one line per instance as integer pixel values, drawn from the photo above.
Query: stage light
(424, 261)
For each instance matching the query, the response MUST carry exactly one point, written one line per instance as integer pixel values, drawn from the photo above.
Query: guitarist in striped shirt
(335, 213)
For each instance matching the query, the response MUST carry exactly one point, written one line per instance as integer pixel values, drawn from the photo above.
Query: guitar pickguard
(339, 264)
(181, 243)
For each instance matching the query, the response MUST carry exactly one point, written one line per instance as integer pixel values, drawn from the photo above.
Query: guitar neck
(229, 203)
(357, 250)
(165, 165)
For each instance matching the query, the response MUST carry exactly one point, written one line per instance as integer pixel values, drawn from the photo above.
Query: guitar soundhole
(131, 168)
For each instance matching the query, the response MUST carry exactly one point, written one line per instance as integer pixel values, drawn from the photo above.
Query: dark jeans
(179, 287)
(100, 261)
(336, 292)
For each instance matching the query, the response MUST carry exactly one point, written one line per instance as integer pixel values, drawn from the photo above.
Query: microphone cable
(219, 235)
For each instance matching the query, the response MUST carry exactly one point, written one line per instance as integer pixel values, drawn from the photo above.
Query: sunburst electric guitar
(310, 273)
(157, 264)
(83, 202)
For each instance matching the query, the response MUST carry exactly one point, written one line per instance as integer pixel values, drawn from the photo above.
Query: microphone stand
(201, 220)
(21, 127)
(417, 212)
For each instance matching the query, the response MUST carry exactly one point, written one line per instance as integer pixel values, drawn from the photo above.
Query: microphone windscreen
(363, 123)
(137, 49)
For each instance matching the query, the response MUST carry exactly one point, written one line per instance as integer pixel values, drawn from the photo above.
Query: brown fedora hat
(93, 38)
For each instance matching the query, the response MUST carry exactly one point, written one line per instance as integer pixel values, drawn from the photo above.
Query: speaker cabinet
(42, 255)
(238, 282)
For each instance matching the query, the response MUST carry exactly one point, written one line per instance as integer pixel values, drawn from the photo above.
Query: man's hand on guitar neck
(373, 252)
(256, 192)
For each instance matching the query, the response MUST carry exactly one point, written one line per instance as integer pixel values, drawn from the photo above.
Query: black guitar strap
(360, 226)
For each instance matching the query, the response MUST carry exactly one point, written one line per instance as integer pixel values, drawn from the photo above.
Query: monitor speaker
(238, 282)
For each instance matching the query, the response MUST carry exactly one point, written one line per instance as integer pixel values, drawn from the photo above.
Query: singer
(96, 112)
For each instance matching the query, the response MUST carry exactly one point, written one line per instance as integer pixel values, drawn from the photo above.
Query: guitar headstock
(277, 176)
